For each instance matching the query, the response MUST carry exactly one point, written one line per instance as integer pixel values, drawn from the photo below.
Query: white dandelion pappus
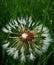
(32, 57)
(8, 27)
(16, 24)
(30, 20)
(5, 45)
(47, 39)
(22, 57)
(11, 51)
(22, 54)
(22, 50)
(24, 39)
(11, 25)
(5, 30)
(15, 56)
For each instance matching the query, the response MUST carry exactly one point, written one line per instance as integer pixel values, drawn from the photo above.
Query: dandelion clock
(25, 38)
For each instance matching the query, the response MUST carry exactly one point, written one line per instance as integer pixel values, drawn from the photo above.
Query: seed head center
(24, 35)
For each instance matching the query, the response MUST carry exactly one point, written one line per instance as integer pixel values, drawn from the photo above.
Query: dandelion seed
(11, 51)
(22, 57)
(5, 30)
(15, 56)
(32, 56)
(5, 45)
(22, 54)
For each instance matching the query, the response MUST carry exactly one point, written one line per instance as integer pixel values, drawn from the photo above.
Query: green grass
(42, 10)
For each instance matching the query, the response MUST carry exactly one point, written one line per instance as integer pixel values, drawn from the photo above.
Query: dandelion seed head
(24, 40)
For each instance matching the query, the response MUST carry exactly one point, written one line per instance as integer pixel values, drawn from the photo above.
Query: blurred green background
(39, 10)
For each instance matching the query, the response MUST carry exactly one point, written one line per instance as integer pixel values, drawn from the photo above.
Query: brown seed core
(26, 36)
